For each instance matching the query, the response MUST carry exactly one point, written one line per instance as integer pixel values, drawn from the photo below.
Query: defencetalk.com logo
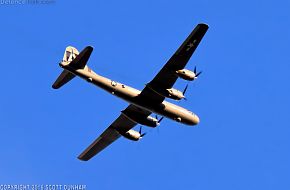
(27, 2)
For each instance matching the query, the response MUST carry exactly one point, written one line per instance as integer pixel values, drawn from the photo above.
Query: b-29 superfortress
(141, 103)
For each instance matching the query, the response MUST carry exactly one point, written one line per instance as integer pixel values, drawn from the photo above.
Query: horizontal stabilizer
(63, 78)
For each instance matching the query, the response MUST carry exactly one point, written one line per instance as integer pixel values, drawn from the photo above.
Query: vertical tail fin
(69, 54)
(74, 59)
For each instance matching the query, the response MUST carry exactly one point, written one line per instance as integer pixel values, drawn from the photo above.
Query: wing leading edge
(121, 125)
(167, 75)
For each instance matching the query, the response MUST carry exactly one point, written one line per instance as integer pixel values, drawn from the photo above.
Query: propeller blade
(160, 119)
(140, 131)
(185, 89)
(198, 73)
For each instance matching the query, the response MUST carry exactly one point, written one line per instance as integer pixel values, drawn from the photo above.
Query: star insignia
(190, 45)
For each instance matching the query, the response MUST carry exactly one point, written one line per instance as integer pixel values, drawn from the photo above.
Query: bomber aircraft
(141, 103)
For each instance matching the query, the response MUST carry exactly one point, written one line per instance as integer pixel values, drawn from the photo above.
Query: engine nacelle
(169, 93)
(186, 74)
(174, 94)
(132, 135)
(148, 121)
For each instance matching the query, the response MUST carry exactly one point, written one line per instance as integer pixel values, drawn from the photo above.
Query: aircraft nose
(195, 119)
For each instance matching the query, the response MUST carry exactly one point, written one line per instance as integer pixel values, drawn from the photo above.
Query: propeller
(184, 91)
(159, 120)
(140, 131)
(196, 74)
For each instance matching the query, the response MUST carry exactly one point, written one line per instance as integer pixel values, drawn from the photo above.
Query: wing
(167, 77)
(113, 132)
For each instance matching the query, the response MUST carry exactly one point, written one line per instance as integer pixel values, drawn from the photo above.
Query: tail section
(75, 60)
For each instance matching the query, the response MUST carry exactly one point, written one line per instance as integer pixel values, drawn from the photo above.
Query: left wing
(121, 125)
(167, 75)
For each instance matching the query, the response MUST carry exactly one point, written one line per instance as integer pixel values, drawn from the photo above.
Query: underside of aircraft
(141, 103)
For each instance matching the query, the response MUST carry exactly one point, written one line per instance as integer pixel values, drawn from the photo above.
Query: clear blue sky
(242, 97)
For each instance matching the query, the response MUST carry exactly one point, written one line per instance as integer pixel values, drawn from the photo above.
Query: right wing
(120, 125)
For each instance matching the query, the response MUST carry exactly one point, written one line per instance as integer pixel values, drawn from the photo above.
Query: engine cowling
(168, 93)
(148, 121)
(186, 74)
(132, 135)
(174, 94)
